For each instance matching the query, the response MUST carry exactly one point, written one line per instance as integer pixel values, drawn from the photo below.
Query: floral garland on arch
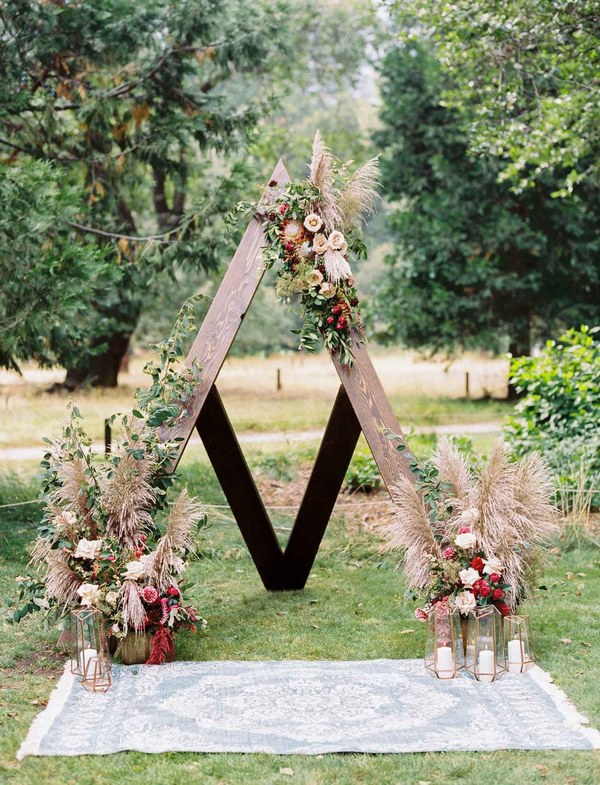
(312, 228)
(109, 538)
(472, 535)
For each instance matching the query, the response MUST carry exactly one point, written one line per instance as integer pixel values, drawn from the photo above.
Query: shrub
(559, 414)
(363, 474)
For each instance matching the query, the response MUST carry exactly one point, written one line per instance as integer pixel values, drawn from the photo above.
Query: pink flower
(421, 614)
(464, 530)
(173, 591)
(448, 553)
(149, 594)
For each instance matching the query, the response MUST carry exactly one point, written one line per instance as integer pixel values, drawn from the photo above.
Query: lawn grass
(422, 393)
(352, 608)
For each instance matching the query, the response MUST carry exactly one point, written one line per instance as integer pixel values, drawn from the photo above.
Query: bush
(559, 415)
(363, 474)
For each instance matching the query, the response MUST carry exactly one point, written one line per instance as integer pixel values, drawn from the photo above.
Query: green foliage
(525, 74)
(277, 465)
(475, 265)
(559, 414)
(363, 473)
(47, 276)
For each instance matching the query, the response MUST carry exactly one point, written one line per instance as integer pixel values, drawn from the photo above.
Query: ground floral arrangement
(312, 228)
(109, 539)
(471, 533)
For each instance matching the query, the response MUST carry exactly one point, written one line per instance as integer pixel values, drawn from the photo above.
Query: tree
(46, 276)
(527, 75)
(132, 100)
(476, 265)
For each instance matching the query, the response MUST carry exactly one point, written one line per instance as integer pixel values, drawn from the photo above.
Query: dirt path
(276, 437)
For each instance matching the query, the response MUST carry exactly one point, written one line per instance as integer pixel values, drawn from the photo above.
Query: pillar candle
(444, 663)
(515, 656)
(486, 665)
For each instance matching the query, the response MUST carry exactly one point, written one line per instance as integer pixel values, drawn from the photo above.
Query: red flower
(283, 208)
(498, 594)
(336, 309)
(143, 537)
(173, 591)
(484, 589)
(330, 320)
(342, 321)
(448, 553)
(149, 594)
(504, 608)
(421, 614)
(272, 183)
(477, 563)
(289, 247)
(495, 578)
(272, 216)
(354, 302)
(464, 530)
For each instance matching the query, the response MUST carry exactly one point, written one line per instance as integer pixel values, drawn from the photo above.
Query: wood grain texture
(375, 414)
(224, 318)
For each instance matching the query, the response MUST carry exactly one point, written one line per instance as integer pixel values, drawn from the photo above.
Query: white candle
(515, 656)
(486, 665)
(444, 663)
(85, 657)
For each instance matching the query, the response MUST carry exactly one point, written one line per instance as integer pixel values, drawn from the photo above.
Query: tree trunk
(100, 370)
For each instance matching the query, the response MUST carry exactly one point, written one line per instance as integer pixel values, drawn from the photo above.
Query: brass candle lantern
(485, 656)
(443, 642)
(89, 653)
(519, 645)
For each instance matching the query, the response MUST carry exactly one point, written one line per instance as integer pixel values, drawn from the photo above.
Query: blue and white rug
(305, 707)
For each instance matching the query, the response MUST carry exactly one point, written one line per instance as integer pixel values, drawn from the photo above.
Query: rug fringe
(42, 723)
(573, 718)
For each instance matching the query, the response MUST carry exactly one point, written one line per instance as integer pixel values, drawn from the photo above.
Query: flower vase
(134, 649)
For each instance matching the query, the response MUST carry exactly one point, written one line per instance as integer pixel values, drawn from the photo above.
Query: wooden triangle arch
(360, 405)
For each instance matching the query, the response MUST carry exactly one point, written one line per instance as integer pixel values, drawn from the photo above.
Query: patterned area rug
(305, 707)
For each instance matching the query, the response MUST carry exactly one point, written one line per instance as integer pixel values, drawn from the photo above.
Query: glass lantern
(443, 642)
(97, 675)
(89, 653)
(484, 654)
(519, 645)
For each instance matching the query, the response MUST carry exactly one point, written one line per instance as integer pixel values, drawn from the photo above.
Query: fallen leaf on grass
(543, 770)
(287, 772)
(566, 641)
(406, 631)
(570, 576)
(586, 644)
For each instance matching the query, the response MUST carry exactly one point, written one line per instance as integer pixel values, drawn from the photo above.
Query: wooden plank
(238, 486)
(375, 414)
(333, 459)
(224, 318)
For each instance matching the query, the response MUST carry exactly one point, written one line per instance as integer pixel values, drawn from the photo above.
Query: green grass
(352, 608)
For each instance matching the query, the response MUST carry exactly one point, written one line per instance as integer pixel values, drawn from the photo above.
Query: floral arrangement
(312, 227)
(109, 538)
(472, 535)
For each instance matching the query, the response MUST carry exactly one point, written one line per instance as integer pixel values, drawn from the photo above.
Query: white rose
(492, 565)
(328, 290)
(337, 242)
(89, 593)
(313, 222)
(111, 597)
(87, 549)
(465, 602)
(134, 570)
(469, 576)
(466, 540)
(320, 244)
(316, 278)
